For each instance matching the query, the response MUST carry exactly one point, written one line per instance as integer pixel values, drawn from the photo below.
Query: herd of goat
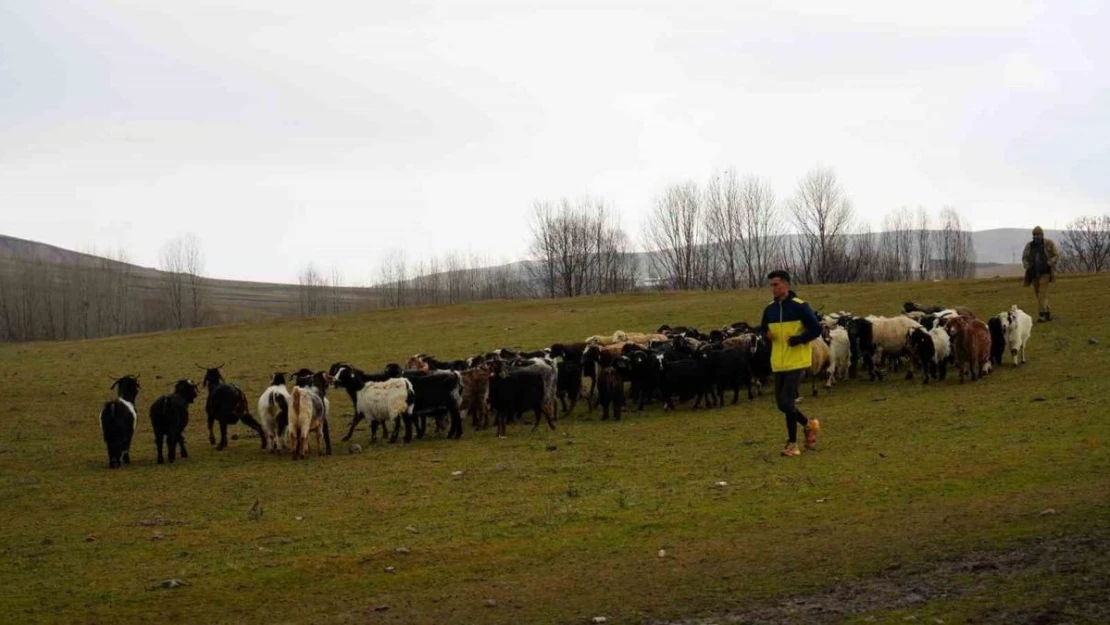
(672, 364)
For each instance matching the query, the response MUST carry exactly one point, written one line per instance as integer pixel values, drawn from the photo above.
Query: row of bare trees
(1085, 245)
(45, 296)
(732, 231)
(579, 248)
(451, 279)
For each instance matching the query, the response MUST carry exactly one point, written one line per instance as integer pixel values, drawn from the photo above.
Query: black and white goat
(273, 412)
(380, 402)
(118, 419)
(227, 405)
(169, 415)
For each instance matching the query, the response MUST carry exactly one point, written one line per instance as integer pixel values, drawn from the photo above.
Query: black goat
(227, 405)
(118, 419)
(169, 415)
(687, 378)
(512, 391)
(731, 370)
(568, 383)
(611, 386)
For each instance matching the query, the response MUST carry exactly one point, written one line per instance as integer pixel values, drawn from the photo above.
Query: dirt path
(1077, 567)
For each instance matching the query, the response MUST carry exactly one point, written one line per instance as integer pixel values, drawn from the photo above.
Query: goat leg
(181, 441)
(358, 417)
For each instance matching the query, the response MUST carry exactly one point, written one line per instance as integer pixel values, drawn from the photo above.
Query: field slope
(984, 502)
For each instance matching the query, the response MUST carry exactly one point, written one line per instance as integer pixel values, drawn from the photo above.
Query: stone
(662, 553)
(381, 608)
(1092, 341)
(173, 583)
(354, 448)
(1048, 512)
(499, 467)
(552, 447)
(157, 536)
(402, 550)
(390, 569)
(490, 603)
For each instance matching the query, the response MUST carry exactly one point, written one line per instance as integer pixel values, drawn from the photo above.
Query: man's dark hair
(781, 274)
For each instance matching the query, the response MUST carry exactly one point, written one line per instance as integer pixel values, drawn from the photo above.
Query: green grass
(906, 475)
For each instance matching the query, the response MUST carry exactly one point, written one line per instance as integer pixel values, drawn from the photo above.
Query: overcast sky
(283, 132)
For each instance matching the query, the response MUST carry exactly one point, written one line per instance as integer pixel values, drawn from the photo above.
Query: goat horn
(221, 365)
(203, 368)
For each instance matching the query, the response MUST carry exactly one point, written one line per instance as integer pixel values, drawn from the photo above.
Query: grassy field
(964, 503)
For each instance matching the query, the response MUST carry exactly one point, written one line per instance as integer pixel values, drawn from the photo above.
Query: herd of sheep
(672, 365)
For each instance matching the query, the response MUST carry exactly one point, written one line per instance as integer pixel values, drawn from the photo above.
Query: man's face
(779, 289)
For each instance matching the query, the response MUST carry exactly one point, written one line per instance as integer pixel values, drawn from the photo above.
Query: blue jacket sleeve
(810, 323)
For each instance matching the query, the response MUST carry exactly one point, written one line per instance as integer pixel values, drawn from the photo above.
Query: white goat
(1017, 327)
(306, 415)
(840, 353)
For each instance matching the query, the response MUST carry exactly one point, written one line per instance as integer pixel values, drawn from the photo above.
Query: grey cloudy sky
(283, 132)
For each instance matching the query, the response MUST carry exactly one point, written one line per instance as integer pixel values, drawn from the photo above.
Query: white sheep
(890, 336)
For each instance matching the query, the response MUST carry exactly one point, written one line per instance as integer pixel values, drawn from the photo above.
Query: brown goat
(971, 346)
(475, 396)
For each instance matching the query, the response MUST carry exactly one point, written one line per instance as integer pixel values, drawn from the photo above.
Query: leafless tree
(764, 235)
(1085, 244)
(676, 237)
(896, 243)
(822, 214)
(726, 234)
(924, 245)
(183, 261)
(577, 248)
(955, 246)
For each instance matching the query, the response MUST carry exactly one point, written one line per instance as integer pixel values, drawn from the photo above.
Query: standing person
(789, 324)
(1039, 260)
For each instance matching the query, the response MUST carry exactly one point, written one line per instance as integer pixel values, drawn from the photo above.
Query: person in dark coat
(1039, 259)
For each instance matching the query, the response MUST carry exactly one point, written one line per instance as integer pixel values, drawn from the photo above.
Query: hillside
(983, 502)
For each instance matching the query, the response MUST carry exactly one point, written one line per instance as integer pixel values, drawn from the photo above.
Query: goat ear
(114, 385)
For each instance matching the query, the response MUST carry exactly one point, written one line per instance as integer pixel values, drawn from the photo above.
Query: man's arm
(810, 323)
(1052, 252)
(1025, 259)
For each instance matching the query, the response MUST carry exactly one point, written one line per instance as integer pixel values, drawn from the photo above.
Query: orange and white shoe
(811, 433)
(791, 449)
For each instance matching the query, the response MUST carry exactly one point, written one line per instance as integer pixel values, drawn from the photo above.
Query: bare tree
(822, 214)
(675, 234)
(576, 247)
(1085, 244)
(896, 246)
(183, 262)
(726, 233)
(765, 247)
(924, 245)
(955, 246)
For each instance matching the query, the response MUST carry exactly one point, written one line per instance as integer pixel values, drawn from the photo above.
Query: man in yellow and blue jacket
(789, 324)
